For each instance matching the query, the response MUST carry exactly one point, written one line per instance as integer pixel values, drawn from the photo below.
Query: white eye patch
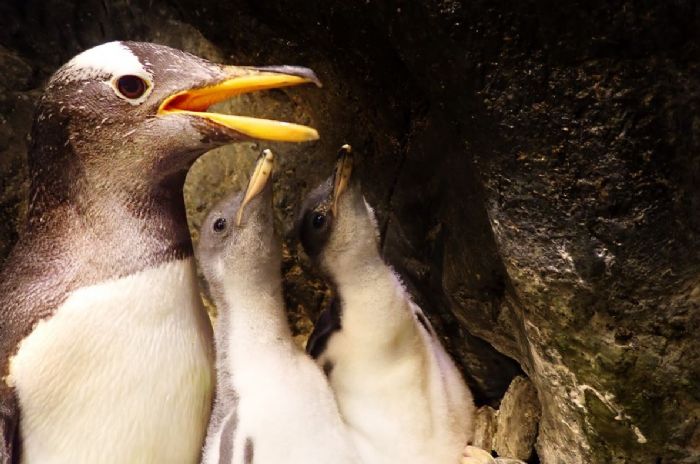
(112, 59)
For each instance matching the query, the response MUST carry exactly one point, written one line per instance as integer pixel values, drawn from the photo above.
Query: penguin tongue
(244, 80)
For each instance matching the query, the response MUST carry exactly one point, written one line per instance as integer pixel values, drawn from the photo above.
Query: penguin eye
(131, 87)
(219, 224)
(315, 231)
(318, 220)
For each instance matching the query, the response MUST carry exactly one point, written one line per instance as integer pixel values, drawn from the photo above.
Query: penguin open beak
(240, 80)
(341, 176)
(260, 178)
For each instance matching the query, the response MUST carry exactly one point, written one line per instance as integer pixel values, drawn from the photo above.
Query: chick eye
(318, 221)
(131, 87)
(219, 224)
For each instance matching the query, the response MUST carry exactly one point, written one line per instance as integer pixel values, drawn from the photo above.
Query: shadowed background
(535, 168)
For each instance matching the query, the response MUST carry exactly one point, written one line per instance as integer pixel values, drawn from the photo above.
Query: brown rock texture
(484, 427)
(517, 420)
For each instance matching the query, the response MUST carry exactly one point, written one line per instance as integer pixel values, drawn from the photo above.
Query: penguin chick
(106, 352)
(273, 403)
(397, 389)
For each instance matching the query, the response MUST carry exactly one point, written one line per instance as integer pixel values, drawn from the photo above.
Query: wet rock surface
(534, 166)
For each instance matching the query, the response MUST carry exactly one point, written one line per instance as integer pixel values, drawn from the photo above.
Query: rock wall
(535, 167)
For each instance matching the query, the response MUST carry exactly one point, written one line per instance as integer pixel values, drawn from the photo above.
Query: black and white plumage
(105, 349)
(273, 402)
(399, 392)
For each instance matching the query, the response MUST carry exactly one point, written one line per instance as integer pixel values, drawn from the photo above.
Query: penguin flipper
(9, 418)
(327, 323)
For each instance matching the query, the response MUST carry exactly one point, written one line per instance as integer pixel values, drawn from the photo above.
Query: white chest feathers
(122, 373)
(286, 413)
(398, 390)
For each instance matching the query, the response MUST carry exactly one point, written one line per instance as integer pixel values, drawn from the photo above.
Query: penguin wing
(30, 290)
(9, 418)
(328, 322)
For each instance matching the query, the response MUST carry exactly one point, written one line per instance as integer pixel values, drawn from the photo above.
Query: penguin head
(336, 226)
(135, 113)
(237, 238)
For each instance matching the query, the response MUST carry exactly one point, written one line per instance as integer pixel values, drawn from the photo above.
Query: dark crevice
(390, 195)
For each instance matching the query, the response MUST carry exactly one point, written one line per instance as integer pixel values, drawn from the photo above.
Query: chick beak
(237, 81)
(341, 176)
(260, 178)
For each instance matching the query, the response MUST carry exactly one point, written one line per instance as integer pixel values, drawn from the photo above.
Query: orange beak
(240, 80)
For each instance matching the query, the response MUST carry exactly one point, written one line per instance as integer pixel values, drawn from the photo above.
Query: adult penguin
(105, 349)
